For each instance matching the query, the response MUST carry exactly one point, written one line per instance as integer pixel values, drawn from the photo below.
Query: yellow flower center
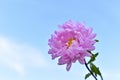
(70, 41)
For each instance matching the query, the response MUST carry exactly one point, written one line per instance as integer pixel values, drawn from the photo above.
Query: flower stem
(90, 71)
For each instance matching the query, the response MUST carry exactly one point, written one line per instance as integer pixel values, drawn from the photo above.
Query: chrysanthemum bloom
(71, 43)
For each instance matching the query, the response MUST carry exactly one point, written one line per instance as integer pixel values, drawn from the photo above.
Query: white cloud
(18, 56)
(111, 75)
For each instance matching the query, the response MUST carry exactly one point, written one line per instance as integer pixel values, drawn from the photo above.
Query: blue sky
(26, 26)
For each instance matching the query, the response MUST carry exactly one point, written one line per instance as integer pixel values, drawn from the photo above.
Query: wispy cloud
(17, 56)
(111, 75)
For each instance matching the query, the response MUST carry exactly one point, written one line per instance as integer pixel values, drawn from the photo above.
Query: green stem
(90, 71)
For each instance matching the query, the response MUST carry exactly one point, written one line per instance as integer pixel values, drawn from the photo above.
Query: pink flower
(71, 43)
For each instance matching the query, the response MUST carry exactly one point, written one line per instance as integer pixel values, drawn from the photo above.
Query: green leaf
(95, 70)
(99, 73)
(87, 75)
(93, 58)
(96, 54)
(97, 40)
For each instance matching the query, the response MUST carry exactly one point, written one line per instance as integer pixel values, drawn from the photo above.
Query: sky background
(26, 26)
